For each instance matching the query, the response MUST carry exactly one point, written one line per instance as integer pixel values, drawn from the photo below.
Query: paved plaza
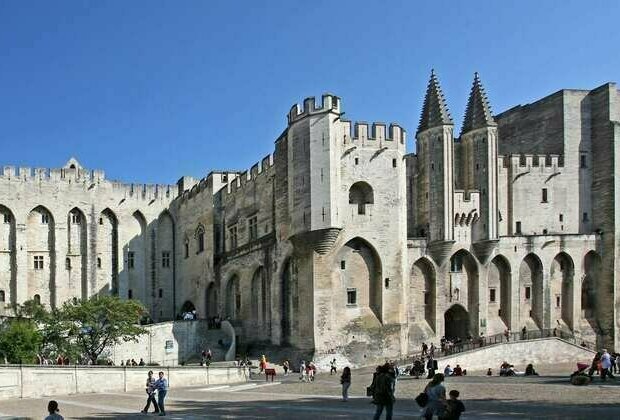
(547, 396)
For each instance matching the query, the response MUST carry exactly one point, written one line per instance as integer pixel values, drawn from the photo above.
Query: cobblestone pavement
(547, 396)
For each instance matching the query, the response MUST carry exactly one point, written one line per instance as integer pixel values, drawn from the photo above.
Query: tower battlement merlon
(144, 191)
(329, 103)
(248, 177)
(378, 133)
(546, 163)
(26, 173)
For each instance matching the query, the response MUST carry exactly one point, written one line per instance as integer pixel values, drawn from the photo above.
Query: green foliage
(80, 328)
(100, 322)
(20, 341)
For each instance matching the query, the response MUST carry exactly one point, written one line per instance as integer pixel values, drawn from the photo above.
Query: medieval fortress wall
(340, 240)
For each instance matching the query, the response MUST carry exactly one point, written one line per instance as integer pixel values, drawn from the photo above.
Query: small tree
(53, 330)
(20, 340)
(100, 322)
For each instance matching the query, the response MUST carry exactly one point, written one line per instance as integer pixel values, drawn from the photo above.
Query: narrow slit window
(351, 296)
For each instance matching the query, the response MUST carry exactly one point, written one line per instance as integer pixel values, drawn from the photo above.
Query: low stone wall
(38, 381)
(519, 353)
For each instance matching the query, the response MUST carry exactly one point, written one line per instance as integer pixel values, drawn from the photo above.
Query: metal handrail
(479, 342)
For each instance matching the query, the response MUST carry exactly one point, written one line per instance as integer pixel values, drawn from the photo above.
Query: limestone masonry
(341, 241)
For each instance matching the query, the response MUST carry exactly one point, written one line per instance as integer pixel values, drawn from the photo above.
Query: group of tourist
(159, 386)
(605, 365)
(507, 369)
(132, 362)
(189, 315)
(457, 371)
(60, 360)
(307, 371)
(432, 400)
(154, 387)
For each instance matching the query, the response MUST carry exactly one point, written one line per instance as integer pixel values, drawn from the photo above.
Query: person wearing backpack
(383, 392)
(436, 393)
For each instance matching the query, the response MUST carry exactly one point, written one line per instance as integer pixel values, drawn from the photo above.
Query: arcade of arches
(535, 296)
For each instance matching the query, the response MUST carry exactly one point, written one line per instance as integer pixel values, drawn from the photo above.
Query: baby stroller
(580, 376)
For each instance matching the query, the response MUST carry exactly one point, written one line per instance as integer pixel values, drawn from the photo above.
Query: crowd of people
(433, 400)
(189, 315)
(604, 364)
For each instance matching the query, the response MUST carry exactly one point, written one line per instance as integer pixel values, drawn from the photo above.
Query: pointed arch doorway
(456, 322)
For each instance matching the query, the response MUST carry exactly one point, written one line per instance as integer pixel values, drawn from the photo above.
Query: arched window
(37, 299)
(130, 294)
(361, 194)
(2, 296)
(98, 262)
(200, 238)
(68, 263)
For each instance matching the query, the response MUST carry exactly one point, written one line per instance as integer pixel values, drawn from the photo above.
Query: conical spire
(434, 111)
(478, 112)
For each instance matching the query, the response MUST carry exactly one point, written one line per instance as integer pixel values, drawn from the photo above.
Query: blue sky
(153, 90)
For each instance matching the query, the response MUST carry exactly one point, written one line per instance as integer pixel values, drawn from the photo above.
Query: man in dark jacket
(383, 392)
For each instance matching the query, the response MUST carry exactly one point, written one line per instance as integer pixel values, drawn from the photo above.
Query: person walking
(431, 365)
(436, 393)
(52, 409)
(150, 392)
(302, 371)
(285, 366)
(523, 333)
(424, 349)
(345, 380)
(332, 368)
(606, 365)
(161, 385)
(432, 351)
(383, 392)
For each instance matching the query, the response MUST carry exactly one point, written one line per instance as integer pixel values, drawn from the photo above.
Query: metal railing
(480, 342)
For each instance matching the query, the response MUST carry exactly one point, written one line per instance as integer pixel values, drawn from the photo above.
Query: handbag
(422, 399)
(369, 391)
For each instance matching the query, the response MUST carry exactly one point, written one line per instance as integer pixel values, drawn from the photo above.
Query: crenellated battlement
(144, 191)
(232, 183)
(329, 102)
(79, 175)
(466, 207)
(25, 173)
(546, 163)
(377, 133)
(257, 172)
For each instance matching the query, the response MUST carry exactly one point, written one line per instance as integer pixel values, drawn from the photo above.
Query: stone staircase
(519, 353)
(211, 340)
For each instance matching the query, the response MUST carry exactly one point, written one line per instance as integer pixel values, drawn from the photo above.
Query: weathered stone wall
(173, 343)
(535, 128)
(83, 226)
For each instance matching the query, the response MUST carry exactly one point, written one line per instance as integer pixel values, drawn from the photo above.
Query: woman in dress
(436, 397)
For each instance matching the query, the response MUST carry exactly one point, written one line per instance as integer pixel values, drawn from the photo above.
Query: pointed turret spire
(478, 112)
(434, 111)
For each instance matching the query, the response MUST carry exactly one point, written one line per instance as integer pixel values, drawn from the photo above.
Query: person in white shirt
(606, 365)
